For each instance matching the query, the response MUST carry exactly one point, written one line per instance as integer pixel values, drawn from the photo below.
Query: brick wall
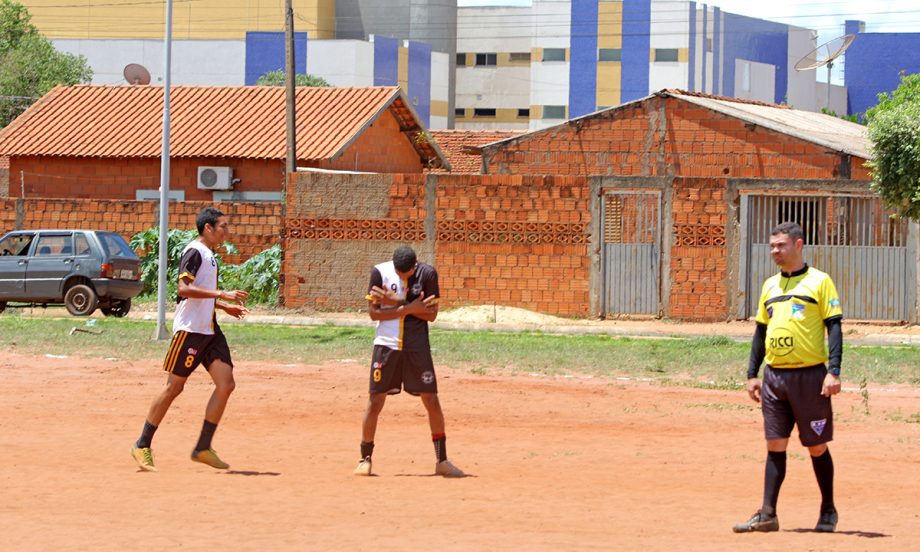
(699, 255)
(670, 137)
(518, 241)
(494, 240)
(338, 226)
(382, 147)
(79, 177)
(254, 226)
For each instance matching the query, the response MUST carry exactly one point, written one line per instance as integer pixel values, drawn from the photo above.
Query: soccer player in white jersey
(197, 339)
(403, 298)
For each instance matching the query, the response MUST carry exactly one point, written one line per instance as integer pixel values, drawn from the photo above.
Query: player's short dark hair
(791, 229)
(208, 215)
(404, 258)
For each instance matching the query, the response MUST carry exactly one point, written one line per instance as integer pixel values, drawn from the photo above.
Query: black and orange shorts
(187, 350)
(393, 370)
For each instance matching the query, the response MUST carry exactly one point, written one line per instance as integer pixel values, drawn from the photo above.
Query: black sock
(207, 433)
(367, 449)
(774, 474)
(824, 472)
(440, 446)
(146, 435)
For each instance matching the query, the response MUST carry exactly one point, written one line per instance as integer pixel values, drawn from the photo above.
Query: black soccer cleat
(827, 521)
(759, 522)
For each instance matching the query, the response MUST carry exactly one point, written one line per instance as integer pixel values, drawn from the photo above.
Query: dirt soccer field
(556, 464)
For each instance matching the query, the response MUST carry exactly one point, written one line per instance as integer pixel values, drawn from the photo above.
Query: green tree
(29, 64)
(276, 78)
(894, 130)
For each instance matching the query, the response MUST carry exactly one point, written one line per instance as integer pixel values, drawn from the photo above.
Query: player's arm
(758, 352)
(431, 291)
(832, 382)
(188, 269)
(417, 308)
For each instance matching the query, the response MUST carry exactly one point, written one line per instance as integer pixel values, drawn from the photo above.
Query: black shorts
(792, 396)
(391, 370)
(187, 350)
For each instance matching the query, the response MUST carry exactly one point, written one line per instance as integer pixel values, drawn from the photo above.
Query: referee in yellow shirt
(801, 376)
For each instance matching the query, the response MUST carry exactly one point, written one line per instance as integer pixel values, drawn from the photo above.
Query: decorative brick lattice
(351, 229)
(699, 235)
(512, 232)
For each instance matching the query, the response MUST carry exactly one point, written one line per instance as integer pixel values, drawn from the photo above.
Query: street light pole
(161, 333)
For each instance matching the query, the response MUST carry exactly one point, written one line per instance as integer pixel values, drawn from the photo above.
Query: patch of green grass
(714, 362)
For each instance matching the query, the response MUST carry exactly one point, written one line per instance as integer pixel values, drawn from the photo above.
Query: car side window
(16, 245)
(81, 244)
(54, 245)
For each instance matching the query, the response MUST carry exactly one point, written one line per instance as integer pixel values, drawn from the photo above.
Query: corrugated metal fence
(854, 239)
(632, 252)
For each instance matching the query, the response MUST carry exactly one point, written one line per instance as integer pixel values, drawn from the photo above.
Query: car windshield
(17, 244)
(114, 245)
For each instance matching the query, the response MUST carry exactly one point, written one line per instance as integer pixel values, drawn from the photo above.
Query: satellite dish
(825, 54)
(136, 74)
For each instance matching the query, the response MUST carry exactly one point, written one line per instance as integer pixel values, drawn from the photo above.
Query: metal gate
(632, 252)
(854, 239)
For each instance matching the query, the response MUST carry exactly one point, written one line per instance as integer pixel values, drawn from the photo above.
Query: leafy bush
(895, 164)
(147, 244)
(258, 276)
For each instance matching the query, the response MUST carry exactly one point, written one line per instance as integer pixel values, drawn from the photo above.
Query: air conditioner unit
(215, 178)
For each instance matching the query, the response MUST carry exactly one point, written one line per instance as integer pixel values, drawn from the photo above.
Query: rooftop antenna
(825, 54)
(136, 74)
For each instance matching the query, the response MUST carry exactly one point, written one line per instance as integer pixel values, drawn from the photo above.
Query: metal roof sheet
(818, 128)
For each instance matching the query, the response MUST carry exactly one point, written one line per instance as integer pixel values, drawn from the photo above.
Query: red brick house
(105, 141)
(659, 207)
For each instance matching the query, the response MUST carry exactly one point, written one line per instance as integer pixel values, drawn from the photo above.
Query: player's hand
(831, 385)
(236, 311)
(753, 389)
(235, 296)
(421, 305)
(384, 296)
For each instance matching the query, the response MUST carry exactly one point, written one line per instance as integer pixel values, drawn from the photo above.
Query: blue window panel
(386, 61)
(873, 65)
(637, 21)
(583, 58)
(755, 40)
(717, 50)
(420, 80)
(265, 53)
(691, 81)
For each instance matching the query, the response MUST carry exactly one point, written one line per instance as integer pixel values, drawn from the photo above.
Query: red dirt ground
(557, 464)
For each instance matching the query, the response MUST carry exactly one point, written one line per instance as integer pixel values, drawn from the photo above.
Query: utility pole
(291, 119)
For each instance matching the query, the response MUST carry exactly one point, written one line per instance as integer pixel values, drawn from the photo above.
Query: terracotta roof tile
(459, 145)
(206, 121)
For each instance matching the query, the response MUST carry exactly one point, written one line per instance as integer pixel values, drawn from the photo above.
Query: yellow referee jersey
(794, 309)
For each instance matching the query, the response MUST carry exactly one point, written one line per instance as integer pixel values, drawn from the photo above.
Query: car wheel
(2, 306)
(118, 309)
(80, 300)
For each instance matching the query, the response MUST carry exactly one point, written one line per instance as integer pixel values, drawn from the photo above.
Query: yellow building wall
(609, 35)
(198, 19)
